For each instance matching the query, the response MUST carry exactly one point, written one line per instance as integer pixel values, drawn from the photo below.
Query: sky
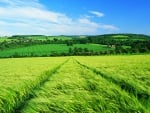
(74, 17)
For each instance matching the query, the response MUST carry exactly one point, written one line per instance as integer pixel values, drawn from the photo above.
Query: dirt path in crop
(75, 88)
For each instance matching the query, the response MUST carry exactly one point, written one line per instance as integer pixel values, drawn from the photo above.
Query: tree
(69, 43)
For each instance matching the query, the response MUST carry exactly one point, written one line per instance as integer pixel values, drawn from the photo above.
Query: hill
(122, 37)
(40, 45)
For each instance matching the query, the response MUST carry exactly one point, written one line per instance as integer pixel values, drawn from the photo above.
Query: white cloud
(33, 13)
(87, 22)
(19, 3)
(96, 13)
(31, 17)
(108, 27)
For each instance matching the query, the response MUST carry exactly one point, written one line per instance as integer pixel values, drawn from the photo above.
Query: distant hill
(123, 36)
(40, 45)
(120, 36)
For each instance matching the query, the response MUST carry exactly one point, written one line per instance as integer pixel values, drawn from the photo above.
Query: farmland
(117, 84)
(43, 46)
(48, 49)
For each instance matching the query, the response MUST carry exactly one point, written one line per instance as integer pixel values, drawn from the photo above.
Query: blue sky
(74, 17)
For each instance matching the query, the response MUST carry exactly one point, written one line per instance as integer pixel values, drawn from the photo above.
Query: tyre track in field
(30, 95)
(67, 86)
(142, 95)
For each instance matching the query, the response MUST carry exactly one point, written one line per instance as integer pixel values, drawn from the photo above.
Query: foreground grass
(131, 73)
(20, 76)
(76, 89)
(100, 84)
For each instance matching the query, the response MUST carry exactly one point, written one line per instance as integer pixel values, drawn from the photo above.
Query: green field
(47, 49)
(6, 39)
(49, 37)
(96, 84)
(120, 36)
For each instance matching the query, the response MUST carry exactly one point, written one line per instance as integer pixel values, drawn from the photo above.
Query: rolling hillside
(39, 45)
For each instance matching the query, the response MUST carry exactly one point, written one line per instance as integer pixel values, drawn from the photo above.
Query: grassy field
(20, 76)
(49, 37)
(120, 36)
(130, 73)
(6, 39)
(47, 49)
(97, 84)
(127, 37)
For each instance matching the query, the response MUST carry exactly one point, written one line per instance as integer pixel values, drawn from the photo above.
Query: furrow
(75, 88)
(30, 94)
(141, 94)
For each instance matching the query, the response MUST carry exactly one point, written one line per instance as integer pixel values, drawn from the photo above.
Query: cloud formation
(31, 17)
(96, 13)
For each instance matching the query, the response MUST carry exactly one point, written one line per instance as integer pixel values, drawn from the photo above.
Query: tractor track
(30, 95)
(142, 96)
